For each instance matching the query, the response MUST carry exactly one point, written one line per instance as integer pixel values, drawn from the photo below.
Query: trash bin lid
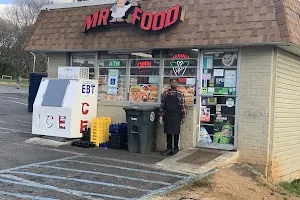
(140, 107)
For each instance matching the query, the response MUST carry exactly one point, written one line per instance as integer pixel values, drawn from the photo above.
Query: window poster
(219, 81)
(218, 72)
(230, 78)
(208, 62)
(205, 114)
(212, 101)
(143, 93)
(204, 136)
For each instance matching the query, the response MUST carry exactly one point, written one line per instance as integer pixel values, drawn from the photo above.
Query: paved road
(29, 171)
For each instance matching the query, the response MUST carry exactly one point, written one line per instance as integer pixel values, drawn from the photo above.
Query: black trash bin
(34, 84)
(141, 125)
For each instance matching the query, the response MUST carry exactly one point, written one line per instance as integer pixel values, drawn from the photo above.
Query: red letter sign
(82, 108)
(91, 21)
(61, 122)
(136, 18)
(159, 21)
(83, 125)
(103, 17)
(146, 22)
(173, 15)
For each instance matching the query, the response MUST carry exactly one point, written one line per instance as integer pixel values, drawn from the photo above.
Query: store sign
(179, 67)
(145, 63)
(180, 56)
(114, 63)
(147, 21)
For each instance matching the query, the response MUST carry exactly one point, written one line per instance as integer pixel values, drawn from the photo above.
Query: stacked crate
(100, 130)
(118, 136)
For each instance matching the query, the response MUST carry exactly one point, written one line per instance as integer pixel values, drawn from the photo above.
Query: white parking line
(105, 174)
(10, 97)
(79, 180)
(125, 168)
(15, 130)
(14, 102)
(4, 122)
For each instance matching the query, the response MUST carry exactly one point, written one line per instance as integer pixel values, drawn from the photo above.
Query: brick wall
(254, 105)
(55, 60)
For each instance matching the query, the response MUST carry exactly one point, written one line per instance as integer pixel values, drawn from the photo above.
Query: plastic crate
(100, 130)
(117, 141)
(118, 128)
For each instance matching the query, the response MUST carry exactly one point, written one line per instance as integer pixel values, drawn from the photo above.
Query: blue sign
(88, 88)
(219, 81)
(113, 81)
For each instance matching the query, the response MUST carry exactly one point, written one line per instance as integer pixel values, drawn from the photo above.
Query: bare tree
(14, 29)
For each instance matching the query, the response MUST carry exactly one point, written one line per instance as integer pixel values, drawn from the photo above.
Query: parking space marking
(16, 176)
(79, 180)
(4, 122)
(125, 168)
(9, 97)
(29, 123)
(25, 196)
(40, 163)
(49, 187)
(105, 174)
(15, 130)
(25, 104)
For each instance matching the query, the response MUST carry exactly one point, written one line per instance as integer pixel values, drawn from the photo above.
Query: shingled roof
(207, 23)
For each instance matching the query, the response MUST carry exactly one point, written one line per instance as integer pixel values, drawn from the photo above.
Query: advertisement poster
(219, 81)
(188, 91)
(205, 114)
(218, 72)
(204, 136)
(143, 93)
(208, 62)
(230, 78)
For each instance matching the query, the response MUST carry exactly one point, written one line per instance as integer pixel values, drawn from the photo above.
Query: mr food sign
(120, 12)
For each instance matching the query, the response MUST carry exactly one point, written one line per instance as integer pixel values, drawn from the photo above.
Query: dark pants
(169, 141)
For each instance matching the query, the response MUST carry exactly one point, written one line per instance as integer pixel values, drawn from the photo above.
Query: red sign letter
(136, 17)
(173, 15)
(146, 22)
(61, 122)
(103, 17)
(83, 125)
(82, 108)
(159, 21)
(91, 21)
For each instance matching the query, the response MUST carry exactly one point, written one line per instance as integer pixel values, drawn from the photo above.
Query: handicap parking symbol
(113, 81)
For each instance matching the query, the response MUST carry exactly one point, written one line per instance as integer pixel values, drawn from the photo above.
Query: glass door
(218, 100)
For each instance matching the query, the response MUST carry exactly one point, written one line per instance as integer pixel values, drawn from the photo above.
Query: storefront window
(218, 98)
(181, 63)
(88, 60)
(112, 65)
(144, 77)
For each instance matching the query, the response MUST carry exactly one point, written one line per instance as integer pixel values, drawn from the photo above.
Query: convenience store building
(238, 64)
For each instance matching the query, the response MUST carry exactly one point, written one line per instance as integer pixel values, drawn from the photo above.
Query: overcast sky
(6, 3)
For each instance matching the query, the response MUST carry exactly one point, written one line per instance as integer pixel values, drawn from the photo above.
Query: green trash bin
(141, 127)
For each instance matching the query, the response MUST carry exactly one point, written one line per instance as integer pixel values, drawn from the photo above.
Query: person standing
(172, 115)
(18, 82)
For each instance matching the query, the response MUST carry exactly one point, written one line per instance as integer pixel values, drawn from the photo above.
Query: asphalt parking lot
(32, 171)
